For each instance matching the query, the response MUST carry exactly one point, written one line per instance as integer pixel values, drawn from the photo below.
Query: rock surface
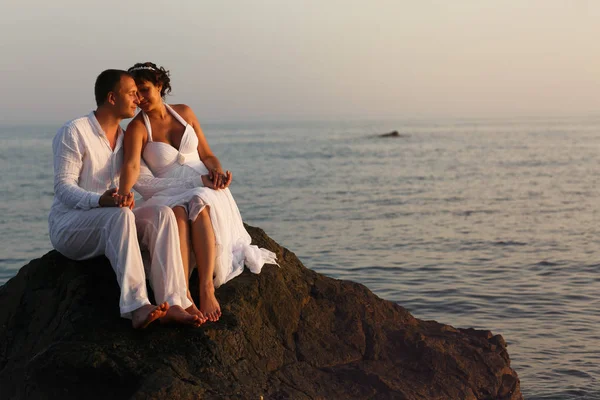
(286, 333)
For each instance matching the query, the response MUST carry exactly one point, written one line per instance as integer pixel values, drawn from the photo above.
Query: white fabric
(85, 166)
(172, 165)
(148, 185)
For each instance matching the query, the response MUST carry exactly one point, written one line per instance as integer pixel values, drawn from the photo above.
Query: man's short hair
(106, 82)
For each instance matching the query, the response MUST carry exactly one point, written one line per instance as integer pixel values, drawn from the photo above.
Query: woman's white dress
(175, 181)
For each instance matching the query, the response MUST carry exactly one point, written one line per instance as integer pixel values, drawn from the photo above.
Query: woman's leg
(203, 243)
(184, 239)
(183, 228)
(157, 231)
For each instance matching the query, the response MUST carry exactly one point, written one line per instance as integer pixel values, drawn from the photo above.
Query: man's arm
(68, 162)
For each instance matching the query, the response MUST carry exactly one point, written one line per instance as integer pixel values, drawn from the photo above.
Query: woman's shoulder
(184, 110)
(137, 124)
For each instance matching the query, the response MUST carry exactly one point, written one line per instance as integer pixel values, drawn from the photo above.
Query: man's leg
(157, 231)
(81, 235)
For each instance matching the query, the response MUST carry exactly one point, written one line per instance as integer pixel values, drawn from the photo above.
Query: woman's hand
(124, 200)
(224, 180)
(220, 180)
(112, 198)
(127, 200)
(206, 181)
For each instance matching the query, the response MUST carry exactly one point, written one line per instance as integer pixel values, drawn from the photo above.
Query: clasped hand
(111, 198)
(217, 180)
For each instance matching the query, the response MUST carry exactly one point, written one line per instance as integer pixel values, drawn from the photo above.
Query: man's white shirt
(85, 166)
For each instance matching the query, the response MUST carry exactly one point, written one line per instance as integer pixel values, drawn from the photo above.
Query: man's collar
(97, 128)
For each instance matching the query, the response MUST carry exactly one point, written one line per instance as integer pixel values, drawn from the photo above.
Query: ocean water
(484, 223)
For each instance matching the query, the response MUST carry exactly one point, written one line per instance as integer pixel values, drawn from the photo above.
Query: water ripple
(477, 223)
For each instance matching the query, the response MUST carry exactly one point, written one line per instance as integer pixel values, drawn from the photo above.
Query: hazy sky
(305, 59)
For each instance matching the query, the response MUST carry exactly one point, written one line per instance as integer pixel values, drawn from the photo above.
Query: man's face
(126, 98)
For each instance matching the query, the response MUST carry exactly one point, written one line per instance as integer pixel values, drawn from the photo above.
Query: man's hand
(109, 198)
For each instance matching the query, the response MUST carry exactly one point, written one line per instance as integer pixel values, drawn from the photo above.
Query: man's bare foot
(143, 316)
(177, 315)
(209, 306)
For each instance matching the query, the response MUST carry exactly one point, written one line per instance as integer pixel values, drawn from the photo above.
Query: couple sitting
(188, 219)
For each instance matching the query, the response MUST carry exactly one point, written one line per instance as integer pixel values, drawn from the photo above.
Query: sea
(484, 223)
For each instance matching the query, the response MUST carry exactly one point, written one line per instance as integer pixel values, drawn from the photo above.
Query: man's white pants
(113, 232)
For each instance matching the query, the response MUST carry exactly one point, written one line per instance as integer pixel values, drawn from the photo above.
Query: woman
(186, 176)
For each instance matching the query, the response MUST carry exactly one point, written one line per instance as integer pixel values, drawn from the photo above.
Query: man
(89, 219)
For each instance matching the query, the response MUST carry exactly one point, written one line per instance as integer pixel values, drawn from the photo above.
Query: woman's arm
(219, 178)
(136, 137)
(148, 185)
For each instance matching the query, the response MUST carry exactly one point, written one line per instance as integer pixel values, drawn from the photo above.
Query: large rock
(286, 333)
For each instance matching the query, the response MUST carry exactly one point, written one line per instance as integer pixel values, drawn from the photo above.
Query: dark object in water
(393, 134)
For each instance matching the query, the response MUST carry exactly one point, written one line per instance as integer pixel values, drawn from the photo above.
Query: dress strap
(176, 115)
(148, 126)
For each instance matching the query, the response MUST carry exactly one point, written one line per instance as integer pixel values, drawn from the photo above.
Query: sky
(307, 59)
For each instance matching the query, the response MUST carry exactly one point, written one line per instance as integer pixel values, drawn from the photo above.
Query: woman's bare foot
(143, 316)
(194, 311)
(177, 315)
(209, 306)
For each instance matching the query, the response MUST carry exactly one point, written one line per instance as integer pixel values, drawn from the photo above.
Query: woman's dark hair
(152, 73)
(106, 82)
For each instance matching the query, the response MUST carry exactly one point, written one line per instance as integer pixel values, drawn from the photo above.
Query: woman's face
(149, 95)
